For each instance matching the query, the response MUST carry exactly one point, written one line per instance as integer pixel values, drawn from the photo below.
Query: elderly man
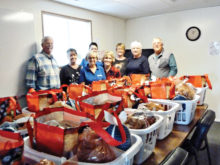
(42, 69)
(162, 63)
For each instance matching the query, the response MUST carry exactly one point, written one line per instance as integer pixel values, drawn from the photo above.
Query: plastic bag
(92, 148)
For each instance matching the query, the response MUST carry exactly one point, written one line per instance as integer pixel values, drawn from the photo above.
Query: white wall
(106, 30)
(192, 57)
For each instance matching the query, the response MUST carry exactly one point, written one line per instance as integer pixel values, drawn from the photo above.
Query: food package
(45, 162)
(154, 106)
(91, 148)
(139, 120)
(185, 90)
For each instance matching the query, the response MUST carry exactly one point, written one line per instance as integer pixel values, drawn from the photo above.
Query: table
(176, 137)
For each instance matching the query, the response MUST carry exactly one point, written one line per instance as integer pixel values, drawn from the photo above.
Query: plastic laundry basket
(148, 136)
(186, 113)
(168, 115)
(32, 156)
(201, 92)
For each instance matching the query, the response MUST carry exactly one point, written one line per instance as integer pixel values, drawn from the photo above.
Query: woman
(138, 64)
(110, 70)
(70, 73)
(93, 47)
(121, 61)
(92, 72)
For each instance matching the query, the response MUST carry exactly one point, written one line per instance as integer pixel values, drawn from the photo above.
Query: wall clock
(193, 33)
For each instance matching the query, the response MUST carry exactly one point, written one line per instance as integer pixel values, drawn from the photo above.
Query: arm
(62, 76)
(145, 66)
(31, 74)
(82, 76)
(103, 73)
(172, 65)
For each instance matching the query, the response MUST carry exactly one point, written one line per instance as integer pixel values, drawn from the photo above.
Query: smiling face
(92, 58)
(136, 51)
(157, 45)
(120, 50)
(72, 57)
(47, 45)
(108, 60)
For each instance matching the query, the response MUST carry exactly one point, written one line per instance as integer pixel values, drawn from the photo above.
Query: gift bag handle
(97, 127)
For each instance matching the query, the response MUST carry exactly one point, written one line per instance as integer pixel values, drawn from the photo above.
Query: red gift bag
(199, 80)
(59, 141)
(118, 82)
(38, 100)
(100, 85)
(129, 95)
(95, 102)
(77, 90)
(9, 107)
(11, 146)
(139, 79)
(162, 89)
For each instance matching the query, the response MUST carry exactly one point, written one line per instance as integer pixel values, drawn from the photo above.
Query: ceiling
(128, 9)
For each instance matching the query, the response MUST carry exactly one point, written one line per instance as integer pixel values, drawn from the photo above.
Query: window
(67, 32)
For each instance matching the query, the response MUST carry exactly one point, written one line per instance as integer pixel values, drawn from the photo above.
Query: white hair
(136, 44)
(46, 38)
(157, 39)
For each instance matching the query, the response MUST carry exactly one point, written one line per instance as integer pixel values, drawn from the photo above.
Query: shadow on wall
(21, 88)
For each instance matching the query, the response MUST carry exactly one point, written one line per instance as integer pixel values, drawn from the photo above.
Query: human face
(108, 60)
(48, 46)
(93, 48)
(157, 46)
(92, 59)
(136, 51)
(120, 51)
(72, 57)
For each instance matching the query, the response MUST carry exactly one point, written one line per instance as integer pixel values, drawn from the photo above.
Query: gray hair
(136, 44)
(91, 53)
(45, 39)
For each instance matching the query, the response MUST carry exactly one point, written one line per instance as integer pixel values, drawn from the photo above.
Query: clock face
(193, 33)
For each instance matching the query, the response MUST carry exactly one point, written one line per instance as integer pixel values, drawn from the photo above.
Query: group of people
(43, 72)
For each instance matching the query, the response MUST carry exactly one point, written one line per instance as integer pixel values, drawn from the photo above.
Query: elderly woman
(110, 70)
(92, 72)
(70, 73)
(138, 64)
(121, 61)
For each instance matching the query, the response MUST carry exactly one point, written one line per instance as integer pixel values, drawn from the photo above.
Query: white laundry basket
(202, 93)
(148, 136)
(186, 112)
(32, 156)
(168, 115)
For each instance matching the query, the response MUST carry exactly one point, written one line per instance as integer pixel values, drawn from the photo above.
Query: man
(42, 69)
(162, 63)
(93, 47)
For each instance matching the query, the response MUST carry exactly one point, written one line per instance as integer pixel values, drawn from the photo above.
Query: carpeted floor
(214, 144)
